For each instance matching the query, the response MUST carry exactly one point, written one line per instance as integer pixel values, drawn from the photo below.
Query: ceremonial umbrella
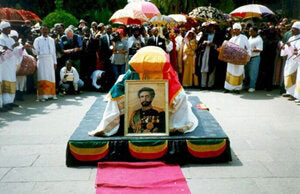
(128, 16)
(17, 16)
(207, 14)
(251, 10)
(178, 17)
(149, 9)
(162, 19)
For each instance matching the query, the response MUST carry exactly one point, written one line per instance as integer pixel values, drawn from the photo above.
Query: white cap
(14, 33)
(237, 26)
(296, 25)
(4, 25)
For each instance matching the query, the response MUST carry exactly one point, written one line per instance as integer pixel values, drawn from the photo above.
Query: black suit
(161, 42)
(105, 55)
(105, 51)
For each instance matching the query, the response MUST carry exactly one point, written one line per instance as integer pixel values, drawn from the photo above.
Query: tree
(59, 16)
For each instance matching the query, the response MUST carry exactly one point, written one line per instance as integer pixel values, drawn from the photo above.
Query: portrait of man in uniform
(147, 114)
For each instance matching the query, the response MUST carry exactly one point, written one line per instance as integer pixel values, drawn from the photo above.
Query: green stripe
(119, 88)
(88, 144)
(206, 141)
(148, 142)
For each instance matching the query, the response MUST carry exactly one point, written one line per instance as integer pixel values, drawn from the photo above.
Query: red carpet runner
(140, 177)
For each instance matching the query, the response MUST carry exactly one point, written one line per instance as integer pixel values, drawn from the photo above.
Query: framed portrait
(146, 108)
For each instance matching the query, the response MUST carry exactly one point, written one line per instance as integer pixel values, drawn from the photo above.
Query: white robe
(21, 79)
(297, 89)
(95, 76)
(45, 49)
(8, 62)
(291, 65)
(234, 75)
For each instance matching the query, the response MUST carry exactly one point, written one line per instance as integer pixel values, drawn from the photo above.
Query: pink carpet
(140, 177)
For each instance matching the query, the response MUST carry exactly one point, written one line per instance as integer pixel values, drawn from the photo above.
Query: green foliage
(226, 6)
(94, 10)
(59, 4)
(60, 17)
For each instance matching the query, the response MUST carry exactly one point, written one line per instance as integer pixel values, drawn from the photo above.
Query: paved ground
(264, 130)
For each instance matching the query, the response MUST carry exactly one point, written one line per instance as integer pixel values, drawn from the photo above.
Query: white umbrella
(178, 17)
(251, 10)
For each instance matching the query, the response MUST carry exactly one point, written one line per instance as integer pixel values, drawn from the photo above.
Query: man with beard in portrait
(148, 119)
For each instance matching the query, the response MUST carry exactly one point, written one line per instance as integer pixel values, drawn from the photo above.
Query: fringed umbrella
(207, 14)
(251, 11)
(17, 16)
(149, 9)
(128, 16)
(162, 20)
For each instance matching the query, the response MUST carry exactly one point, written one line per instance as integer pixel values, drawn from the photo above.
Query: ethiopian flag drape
(149, 63)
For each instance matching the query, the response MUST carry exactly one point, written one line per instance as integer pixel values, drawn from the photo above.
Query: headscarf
(4, 25)
(14, 33)
(237, 26)
(296, 25)
(186, 35)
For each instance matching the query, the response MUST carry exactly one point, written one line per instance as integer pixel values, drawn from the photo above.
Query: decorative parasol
(128, 16)
(149, 9)
(207, 14)
(17, 16)
(162, 20)
(178, 17)
(251, 10)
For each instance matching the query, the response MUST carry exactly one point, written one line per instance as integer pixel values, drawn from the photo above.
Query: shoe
(285, 95)
(236, 91)
(7, 107)
(226, 91)
(251, 90)
(54, 98)
(291, 98)
(14, 105)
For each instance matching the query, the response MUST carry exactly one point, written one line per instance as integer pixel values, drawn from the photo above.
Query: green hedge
(60, 16)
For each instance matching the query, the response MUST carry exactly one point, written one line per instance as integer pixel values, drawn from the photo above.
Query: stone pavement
(263, 127)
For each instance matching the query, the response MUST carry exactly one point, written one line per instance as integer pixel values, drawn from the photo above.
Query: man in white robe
(45, 49)
(291, 49)
(21, 79)
(9, 54)
(234, 74)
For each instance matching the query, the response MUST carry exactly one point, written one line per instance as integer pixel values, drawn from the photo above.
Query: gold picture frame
(146, 108)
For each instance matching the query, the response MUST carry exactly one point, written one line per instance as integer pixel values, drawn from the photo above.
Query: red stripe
(170, 75)
(210, 154)
(89, 157)
(148, 155)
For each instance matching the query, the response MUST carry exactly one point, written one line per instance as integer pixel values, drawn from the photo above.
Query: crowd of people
(74, 58)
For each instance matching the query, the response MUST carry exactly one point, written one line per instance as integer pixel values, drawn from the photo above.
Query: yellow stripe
(117, 98)
(174, 96)
(148, 149)
(298, 87)
(0, 88)
(234, 80)
(205, 148)
(88, 151)
(8, 87)
(251, 15)
(290, 80)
